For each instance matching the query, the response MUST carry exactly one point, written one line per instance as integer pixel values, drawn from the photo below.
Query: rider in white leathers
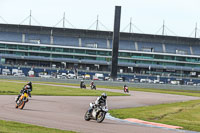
(101, 101)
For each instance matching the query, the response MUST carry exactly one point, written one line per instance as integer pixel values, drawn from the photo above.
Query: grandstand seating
(66, 41)
(94, 42)
(177, 49)
(10, 36)
(196, 49)
(99, 43)
(150, 47)
(37, 38)
(126, 45)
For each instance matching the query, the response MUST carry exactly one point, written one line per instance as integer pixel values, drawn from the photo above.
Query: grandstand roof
(97, 34)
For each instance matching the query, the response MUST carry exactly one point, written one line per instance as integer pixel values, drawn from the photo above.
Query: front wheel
(21, 106)
(101, 116)
(87, 116)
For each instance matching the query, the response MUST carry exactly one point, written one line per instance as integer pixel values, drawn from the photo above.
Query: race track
(67, 112)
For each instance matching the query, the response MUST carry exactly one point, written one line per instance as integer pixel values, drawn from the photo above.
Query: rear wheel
(101, 116)
(87, 116)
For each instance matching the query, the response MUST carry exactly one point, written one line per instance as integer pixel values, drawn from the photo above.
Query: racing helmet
(104, 96)
(29, 83)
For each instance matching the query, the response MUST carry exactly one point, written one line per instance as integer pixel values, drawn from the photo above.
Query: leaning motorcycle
(98, 113)
(93, 87)
(83, 86)
(126, 90)
(22, 101)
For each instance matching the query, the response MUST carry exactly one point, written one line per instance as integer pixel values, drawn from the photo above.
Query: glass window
(2, 45)
(91, 52)
(180, 58)
(11, 46)
(56, 56)
(158, 57)
(35, 48)
(124, 54)
(33, 54)
(21, 47)
(80, 51)
(191, 59)
(90, 58)
(20, 53)
(66, 50)
(57, 49)
(67, 56)
(147, 56)
(44, 55)
(79, 57)
(101, 58)
(45, 49)
(105, 53)
(169, 57)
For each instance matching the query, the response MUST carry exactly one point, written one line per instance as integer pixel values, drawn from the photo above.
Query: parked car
(71, 76)
(6, 72)
(87, 77)
(19, 74)
(98, 76)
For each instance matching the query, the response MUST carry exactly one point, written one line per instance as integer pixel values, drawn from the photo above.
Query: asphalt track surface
(67, 112)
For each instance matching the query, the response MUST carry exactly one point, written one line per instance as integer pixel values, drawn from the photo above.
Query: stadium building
(92, 50)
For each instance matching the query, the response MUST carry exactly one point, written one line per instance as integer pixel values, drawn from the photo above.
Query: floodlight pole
(115, 47)
(30, 18)
(163, 31)
(195, 31)
(64, 20)
(130, 26)
(97, 22)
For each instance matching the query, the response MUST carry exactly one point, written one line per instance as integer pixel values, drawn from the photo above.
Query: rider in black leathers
(27, 88)
(82, 84)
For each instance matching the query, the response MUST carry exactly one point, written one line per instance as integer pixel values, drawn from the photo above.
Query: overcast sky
(147, 15)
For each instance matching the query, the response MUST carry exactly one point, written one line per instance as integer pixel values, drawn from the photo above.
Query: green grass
(195, 93)
(93, 93)
(184, 114)
(12, 88)
(15, 127)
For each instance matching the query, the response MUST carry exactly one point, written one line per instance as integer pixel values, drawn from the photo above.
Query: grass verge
(13, 88)
(167, 91)
(184, 114)
(15, 127)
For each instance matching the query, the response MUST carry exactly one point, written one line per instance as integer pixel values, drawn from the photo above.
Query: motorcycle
(126, 89)
(98, 113)
(93, 87)
(83, 86)
(22, 100)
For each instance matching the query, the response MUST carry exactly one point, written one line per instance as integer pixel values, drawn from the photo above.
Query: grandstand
(92, 49)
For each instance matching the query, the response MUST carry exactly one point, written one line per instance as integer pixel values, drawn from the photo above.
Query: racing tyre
(87, 116)
(100, 117)
(21, 106)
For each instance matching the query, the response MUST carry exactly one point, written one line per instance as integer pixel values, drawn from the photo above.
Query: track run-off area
(67, 112)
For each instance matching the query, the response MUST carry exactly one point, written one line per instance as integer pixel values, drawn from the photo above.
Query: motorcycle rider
(81, 84)
(125, 88)
(27, 88)
(101, 101)
(92, 84)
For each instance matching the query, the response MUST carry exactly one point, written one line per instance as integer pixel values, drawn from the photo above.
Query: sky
(179, 16)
